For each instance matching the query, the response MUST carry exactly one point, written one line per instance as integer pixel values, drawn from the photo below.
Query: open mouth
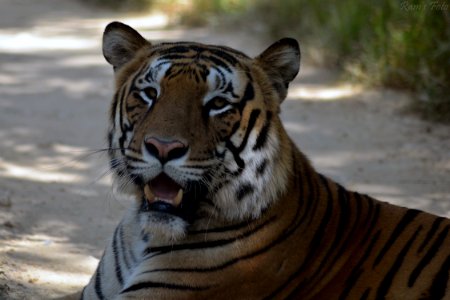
(163, 194)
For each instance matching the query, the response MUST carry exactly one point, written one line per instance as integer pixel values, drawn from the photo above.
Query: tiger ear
(281, 61)
(120, 43)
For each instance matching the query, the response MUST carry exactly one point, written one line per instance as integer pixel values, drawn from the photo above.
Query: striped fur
(259, 221)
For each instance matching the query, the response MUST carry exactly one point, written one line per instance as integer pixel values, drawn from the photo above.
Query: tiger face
(194, 129)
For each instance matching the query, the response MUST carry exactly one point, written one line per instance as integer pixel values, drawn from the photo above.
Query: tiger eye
(218, 103)
(150, 92)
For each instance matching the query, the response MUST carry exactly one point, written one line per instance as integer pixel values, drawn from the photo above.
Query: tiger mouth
(163, 194)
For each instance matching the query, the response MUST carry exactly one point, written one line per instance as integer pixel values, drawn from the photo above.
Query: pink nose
(165, 150)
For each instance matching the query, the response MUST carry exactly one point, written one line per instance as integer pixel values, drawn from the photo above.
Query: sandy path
(56, 205)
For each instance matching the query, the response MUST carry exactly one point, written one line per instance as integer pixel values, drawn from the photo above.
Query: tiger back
(227, 207)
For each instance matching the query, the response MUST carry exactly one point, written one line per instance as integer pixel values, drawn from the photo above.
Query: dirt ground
(57, 208)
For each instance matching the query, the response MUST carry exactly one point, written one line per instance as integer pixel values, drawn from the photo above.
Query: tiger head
(194, 129)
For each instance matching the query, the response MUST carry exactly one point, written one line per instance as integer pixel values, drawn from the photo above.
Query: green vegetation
(201, 11)
(388, 43)
(128, 5)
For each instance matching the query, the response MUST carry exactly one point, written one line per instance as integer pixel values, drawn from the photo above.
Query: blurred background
(370, 108)
(390, 43)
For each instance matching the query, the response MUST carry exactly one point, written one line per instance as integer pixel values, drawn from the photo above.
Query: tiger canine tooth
(178, 198)
(148, 194)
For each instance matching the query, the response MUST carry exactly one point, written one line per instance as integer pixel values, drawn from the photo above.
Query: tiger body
(255, 220)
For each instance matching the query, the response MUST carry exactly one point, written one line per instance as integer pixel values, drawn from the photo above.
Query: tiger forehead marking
(220, 80)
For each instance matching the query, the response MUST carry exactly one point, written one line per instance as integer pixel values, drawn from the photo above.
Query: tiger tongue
(163, 188)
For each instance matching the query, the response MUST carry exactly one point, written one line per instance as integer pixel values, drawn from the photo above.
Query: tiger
(226, 205)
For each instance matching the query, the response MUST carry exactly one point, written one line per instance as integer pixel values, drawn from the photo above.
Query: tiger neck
(326, 228)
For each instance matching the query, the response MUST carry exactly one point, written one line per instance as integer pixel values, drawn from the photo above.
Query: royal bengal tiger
(227, 207)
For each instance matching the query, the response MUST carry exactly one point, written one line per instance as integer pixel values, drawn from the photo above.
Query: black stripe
(312, 247)
(244, 190)
(217, 62)
(230, 90)
(117, 267)
(317, 196)
(196, 77)
(237, 150)
(430, 233)
(264, 133)
(224, 56)
(122, 127)
(337, 234)
(355, 225)
(163, 285)
(204, 71)
(131, 108)
(98, 280)
(125, 128)
(223, 265)
(174, 56)
(110, 138)
(174, 70)
(373, 210)
(249, 94)
(222, 80)
(230, 262)
(373, 220)
(299, 181)
(136, 74)
(239, 161)
(262, 167)
(112, 115)
(428, 256)
(314, 199)
(407, 218)
(440, 281)
(370, 206)
(251, 123)
(389, 277)
(291, 228)
(338, 246)
(175, 49)
(357, 270)
(346, 203)
(310, 195)
(319, 234)
(136, 115)
(120, 104)
(203, 245)
(222, 229)
(144, 237)
(122, 247)
(365, 295)
(131, 159)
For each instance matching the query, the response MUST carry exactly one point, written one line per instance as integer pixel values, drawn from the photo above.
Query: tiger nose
(165, 150)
